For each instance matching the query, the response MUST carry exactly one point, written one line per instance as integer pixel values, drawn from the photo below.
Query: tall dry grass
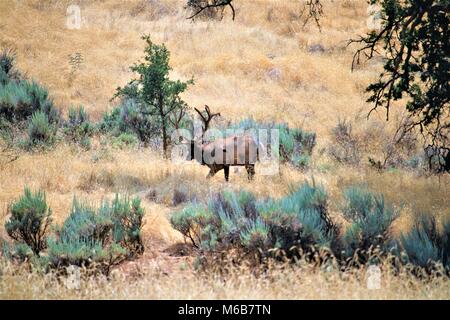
(154, 282)
(231, 62)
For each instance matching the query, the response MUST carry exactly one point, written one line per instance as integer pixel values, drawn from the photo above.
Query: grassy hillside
(233, 65)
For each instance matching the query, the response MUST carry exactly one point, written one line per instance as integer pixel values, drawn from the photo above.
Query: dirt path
(161, 257)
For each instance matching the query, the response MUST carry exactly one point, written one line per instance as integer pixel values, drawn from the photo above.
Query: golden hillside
(264, 65)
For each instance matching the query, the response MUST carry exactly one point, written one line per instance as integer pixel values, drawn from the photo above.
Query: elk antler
(206, 119)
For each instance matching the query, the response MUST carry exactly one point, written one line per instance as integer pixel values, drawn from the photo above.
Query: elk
(224, 152)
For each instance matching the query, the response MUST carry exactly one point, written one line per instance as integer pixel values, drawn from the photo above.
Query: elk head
(206, 118)
(196, 145)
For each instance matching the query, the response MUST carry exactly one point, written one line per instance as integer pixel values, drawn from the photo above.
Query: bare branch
(200, 6)
(315, 11)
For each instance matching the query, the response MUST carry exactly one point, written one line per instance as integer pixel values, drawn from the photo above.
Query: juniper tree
(413, 39)
(157, 95)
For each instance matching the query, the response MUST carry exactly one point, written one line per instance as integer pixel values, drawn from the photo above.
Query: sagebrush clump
(370, 220)
(299, 225)
(85, 239)
(425, 245)
(130, 118)
(19, 99)
(101, 238)
(40, 130)
(127, 217)
(30, 220)
(92, 238)
(299, 222)
(8, 70)
(78, 127)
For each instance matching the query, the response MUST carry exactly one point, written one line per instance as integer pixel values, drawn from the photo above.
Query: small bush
(78, 128)
(125, 140)
(19, 100)
(346, 146)
(30, 220)
(8, 71)
(99, 239)
(303, 213)
(18, 252)
(131, 118)
(217, 225)
(298, 224)
(40, 131)
(425, 246)
(370, 221)
(85, 239)
(127, 217)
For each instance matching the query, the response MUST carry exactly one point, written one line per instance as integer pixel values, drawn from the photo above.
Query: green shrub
(127, 217)
(424, 245)
(30, 220)
(130, 117)
(296, 145)
(98, 239)
(85, 239)
(18, 252)
(40, 130)
(41, 101)
(301, 219)
(125, 140)
(296, 224)
(8, 71)
(370, 221)
(191, 222)
(78, 128)
(19, 100)
(217, 225)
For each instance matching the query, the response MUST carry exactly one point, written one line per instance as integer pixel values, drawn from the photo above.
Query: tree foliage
(158, 97)
(413, 39)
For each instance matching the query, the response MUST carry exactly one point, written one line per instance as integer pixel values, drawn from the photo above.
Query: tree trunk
(163, 124)
(164, 134)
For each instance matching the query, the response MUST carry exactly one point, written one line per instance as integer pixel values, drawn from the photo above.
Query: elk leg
(211, 173)
(226, 170)
(250, 171)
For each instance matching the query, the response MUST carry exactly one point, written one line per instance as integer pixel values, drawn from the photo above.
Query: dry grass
(231, 74)
(230, 62)
(153, 282)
